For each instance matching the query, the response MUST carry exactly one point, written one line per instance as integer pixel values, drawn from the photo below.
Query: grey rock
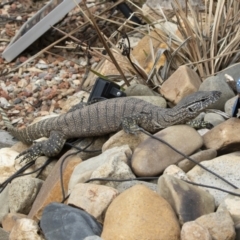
(218, 84)
(140, 90)
(156, 100)
(188, 201)
(228, 108)
(62, 222)
(125, 185)
(214, 118)
(200, 156)
(6, 140)
(233, 71)
(4, 235)
(22, 193)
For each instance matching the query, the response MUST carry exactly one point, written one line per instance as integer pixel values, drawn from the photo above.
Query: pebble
(47, 87)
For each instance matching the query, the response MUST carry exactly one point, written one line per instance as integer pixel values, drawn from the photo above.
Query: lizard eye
(190, 109)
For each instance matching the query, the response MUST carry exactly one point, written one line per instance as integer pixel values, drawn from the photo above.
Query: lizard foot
(129, 125)
(50, 147)
(198, 124)
(30, 154)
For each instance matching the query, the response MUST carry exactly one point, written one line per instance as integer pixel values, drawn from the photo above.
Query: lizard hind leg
(49, 148)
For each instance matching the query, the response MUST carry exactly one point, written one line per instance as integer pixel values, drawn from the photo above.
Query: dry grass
(212, 36)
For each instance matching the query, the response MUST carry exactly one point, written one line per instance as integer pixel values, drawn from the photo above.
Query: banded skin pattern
(105, 117)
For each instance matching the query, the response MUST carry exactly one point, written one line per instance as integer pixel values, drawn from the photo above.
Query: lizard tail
(6, 119)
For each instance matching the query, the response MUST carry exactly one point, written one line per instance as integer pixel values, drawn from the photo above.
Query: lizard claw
(30, 154)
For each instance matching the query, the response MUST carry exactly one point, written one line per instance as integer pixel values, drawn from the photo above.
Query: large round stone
(151, 157)
(140, 213)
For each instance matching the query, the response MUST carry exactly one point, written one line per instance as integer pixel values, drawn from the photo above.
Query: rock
(7, 163)
(10, 219)
(115, 168)
(237, 228)
(126, 185)
(96, 144)
(228, 107)
(188, 201)
(155, 100)
(19, 147)
(200, 156)
(232, 70)
(6, 140)
(232, 204)
(83, 171)
(51, 189)
(40, 161)
(227, 166)
(151, 157)
(4, 203)
(181, 83)
(22, 193)
(128, 217)
(92, 198)
(214, 118)
(224, 137)
(140, 90)
(121, 138)
(176, 172)
(4, 235)
(95, 237)
(194, 231)
(25, 229)
(73, 100)
(142, 53)
(63, 222)
(219, 224)
(217, 84)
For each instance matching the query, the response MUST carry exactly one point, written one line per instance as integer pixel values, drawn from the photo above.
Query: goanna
(105, 117)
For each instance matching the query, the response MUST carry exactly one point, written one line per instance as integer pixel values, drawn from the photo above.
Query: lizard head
(193, 104)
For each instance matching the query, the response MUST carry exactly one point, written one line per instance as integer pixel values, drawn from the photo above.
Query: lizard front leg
(132, 123)
(49, 148)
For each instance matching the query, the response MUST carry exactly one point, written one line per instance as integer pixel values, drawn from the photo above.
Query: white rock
(25, 229)
(115, 168)
(232, 204)
(83, 171)
(227, 166)
(92, 198)
(176, 172)
(7, 162)
(194, 231)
